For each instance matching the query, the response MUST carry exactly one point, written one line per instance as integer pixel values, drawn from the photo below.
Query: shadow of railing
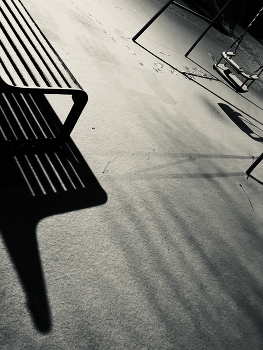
(34, 186)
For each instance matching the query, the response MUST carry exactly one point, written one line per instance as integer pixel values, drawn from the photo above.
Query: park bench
(30, 65)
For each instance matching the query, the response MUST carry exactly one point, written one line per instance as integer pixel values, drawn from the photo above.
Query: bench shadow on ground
(35, 186)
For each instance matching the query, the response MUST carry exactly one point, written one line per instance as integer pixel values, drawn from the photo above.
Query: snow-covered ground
(162, 248)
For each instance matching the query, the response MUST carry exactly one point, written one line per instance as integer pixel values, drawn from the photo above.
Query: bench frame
(79, 96)
(80, 99)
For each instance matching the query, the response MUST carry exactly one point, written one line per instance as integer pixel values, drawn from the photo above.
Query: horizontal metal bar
(171, 2)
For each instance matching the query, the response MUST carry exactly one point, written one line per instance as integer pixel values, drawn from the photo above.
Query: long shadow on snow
(35, 186)
(237, 119)
(202, 256)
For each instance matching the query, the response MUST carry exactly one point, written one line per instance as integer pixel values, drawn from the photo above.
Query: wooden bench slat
(30, 49)
(28, 120)
(14, 128)
(25, 60)
(31, 37)
(44, 50)
(12, 30)
(45, 44)
(16, 51)
(6, 72)
(31, 66)
(11, 73)
(35, 117)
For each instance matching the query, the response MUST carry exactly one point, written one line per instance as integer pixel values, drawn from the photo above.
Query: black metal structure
(30, 65)
(256, 162)
(172, 2)
(222, 69)
(228, 57)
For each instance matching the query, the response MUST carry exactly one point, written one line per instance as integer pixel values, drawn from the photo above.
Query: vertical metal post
(152, 20)
(256, 162)
(207, 29)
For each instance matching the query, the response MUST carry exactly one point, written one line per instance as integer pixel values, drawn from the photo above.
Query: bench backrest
(27, 57)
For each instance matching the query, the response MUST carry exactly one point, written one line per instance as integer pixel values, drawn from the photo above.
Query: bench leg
(80, 100)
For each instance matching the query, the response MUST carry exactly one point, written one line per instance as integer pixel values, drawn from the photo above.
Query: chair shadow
(34, 186)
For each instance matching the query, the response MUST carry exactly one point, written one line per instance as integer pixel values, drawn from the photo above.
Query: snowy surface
(172, 258)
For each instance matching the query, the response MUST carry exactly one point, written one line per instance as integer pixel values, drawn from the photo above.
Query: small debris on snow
(186, 69)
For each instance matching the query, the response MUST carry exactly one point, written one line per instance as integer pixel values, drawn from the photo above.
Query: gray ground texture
(161, 244)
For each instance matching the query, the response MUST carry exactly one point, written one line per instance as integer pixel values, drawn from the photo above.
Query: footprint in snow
(109, 35)
(158, 65)
(132, 52)
(163, 53)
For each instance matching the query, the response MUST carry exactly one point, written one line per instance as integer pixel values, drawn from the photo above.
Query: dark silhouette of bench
(29, 64)
(35, 186)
